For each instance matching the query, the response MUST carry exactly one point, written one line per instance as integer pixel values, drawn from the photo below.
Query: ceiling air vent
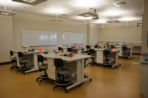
(31, 2)
(119, 3)
(92, 13)
(7, 13)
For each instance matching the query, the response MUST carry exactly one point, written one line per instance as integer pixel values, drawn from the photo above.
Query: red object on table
(40, 49)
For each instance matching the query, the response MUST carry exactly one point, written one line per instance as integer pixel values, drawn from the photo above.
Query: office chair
(69, 50)
(60, 49)
(108, 58)
(125, 52)
(63, 75)
(112, 46)
(82, 50)
(87, 49)
(23, 62)
(13, 61)
(42, 67)
(96, 46)
(46, 52)
(92, 52)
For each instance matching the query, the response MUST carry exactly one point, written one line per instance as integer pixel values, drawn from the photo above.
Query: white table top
(66, 58)
(99, 49)
(29, 52)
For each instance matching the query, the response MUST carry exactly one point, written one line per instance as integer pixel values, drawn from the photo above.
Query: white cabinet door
(99, 56)
(51, 69)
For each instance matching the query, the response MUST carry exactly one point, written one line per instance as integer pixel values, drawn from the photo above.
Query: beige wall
(144, 67)
(120, 32)
(21, 21)
(145, 28)
(12, 27)
(6, 37)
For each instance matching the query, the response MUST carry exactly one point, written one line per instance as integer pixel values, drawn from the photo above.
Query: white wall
(93, 34)
(12, 27)
(6, 37)
(145, 28)
(38, 22)
(120, 32)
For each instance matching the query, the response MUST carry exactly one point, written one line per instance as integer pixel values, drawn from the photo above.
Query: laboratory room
(73, 48)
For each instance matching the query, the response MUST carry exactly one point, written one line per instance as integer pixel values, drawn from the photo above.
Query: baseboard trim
(136, 53)
(3, 63)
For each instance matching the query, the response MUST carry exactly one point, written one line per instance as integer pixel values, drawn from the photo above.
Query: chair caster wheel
(90, 80)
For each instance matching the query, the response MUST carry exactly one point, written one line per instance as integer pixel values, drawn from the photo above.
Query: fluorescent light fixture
(55, 10)
(100, 21)
(129, 18)
(116, 4)
(30, 1)
(119, 3)
(87, 3)
(82, 18)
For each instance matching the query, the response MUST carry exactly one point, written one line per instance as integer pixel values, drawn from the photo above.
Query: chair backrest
(12, 57)
(40, 59)
(20, 54)
(88, 47)
(91, 52)
(20, 57)
(60, 49)
(69, 49)
(124, 48)
(58, 62)
(106, 52)
(112, 46)
(42, 65)
(96, 46)
(11, 53)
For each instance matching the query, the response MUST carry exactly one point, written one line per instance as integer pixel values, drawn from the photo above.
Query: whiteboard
(38, 38)
(73, 38)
